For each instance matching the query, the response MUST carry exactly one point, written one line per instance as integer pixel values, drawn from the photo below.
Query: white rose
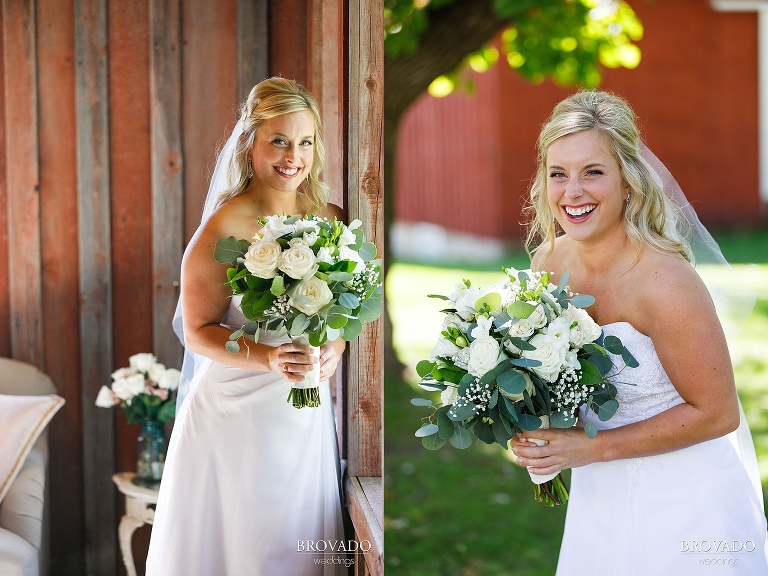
(528, 386)
(262, 258)
(106, 398)
(449, 395)
(324, 255)
(521, 329)
(444, 348)
(142, 362)
(274, 228)
(538, 317)
(346, 253)
(298, 262)
(484, 354)
(550, 351)
(585, 329)
(127, 388)
(560, 329)
(313, 288)
(123, 373)
(156, 372)
(297, 242)
(346, 238)
(310, 238)
(170, 379)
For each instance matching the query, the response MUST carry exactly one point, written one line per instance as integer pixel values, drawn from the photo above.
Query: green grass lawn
(471, 512)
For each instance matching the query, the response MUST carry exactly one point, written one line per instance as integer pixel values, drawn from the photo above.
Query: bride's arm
(204, 301)
(676, 311)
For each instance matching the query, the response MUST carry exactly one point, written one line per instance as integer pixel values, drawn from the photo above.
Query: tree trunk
(455, 31)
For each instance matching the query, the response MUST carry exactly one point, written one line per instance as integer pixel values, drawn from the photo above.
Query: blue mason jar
(150, 452)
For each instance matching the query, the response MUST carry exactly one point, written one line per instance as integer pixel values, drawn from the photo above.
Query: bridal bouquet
(311, 278)
(519, 355)
(146, 390)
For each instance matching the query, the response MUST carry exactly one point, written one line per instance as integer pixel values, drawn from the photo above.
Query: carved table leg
(127, 527)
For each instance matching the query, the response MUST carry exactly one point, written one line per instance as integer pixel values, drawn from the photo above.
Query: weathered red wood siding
(465, 162)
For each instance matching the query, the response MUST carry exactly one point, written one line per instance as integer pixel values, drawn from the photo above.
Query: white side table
(139, 510)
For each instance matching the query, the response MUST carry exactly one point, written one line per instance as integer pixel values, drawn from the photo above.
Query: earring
(627, 198)
(250, 170)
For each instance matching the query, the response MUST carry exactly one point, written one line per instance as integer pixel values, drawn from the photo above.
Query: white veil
(733, 298)
(193, 363)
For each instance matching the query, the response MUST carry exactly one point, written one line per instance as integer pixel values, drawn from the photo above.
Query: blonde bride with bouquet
(250, 481)
(669, 485)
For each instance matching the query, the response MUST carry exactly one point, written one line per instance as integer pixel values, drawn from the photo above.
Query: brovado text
(716, 546)
(334, 546)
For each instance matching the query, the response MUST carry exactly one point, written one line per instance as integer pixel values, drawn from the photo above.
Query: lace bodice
(643, 391)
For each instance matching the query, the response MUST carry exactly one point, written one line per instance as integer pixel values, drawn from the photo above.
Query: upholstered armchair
(27, 403)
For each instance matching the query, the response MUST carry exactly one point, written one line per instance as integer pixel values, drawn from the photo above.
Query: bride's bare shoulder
(332, 211)
(552, 258)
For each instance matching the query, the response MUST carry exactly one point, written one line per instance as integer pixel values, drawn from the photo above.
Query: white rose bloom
(521, 329)
(170, 379)
(346, 253)
(127, 388)
(449, 395)
(450, 320)
(538, 317)
(560, 329)
(586, 330)
(314, 289)
(528, 386)
(324, 255)
(297, 242)
(123, 373)
(156, 372)
(550, 351)
(106, 398)
(274, 228)
(462, 358)
(310, 238)
(142, 362)
(484, 354)
(346, 238)
(444, 348)
(298, 262)
(262, 258)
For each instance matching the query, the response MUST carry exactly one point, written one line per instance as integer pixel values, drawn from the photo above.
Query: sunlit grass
(471, 512)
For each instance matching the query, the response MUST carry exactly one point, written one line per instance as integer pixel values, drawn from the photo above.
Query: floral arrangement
(311, 278)
(517, 356)
(146, 390)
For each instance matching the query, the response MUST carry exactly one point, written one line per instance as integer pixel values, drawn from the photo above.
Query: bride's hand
(292, 361)
(329, 360)
(567, 448)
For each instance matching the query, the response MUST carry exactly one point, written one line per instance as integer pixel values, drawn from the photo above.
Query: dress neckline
(624, 322)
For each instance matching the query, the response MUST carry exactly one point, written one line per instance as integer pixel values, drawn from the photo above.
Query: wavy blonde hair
(649, 218)
(269, 99)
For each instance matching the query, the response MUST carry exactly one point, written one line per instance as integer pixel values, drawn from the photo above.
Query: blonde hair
(649, 218)
(269, 99)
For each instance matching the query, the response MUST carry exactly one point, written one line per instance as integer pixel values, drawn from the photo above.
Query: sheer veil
(194, 363)
(733, 298)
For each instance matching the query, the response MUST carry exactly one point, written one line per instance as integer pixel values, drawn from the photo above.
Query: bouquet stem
(304, 397)
(552, 492)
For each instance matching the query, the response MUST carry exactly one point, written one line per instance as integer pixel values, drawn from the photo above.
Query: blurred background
(469, 84)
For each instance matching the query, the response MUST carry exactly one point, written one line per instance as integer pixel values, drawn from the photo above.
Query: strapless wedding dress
(251, 484)
(684, 513)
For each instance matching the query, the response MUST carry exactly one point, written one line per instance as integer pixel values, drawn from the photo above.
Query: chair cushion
(23, 418)
(17, 556)
(22, 510)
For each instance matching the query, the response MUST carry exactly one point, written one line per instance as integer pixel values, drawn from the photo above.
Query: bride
(661, 490)
(251, 484)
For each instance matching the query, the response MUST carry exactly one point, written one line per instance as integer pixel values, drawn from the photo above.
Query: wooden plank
(325, 81)
(253, 44)
(167, 181)
(365, 497)
(22, 169)
(61, 294)
(365, 193)
(288, 46)
(5, 316)
(92, 101)
(209, 92)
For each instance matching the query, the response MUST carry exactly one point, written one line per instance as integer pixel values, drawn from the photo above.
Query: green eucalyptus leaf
(582, 301)
(367, 251)
(349, 300)
(461, 438)
(438, 296)
(560, 420)
(462, 412)
(433, 442)
(520, 310)
(236, 334)
(341, 276)
(426, 430)
(606, 410)
(590, 374)
(227, 250)
(629, 360)
(232, 347)
(528, 422)
(590, 429)
(352, 329)
(421, 401)
(370, 309)
(511, 382)
(613, 345)
(483, 432)
(278, 286)
(445, 425)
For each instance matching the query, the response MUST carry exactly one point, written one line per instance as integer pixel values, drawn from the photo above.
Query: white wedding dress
(251, 484)
(641, 516)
